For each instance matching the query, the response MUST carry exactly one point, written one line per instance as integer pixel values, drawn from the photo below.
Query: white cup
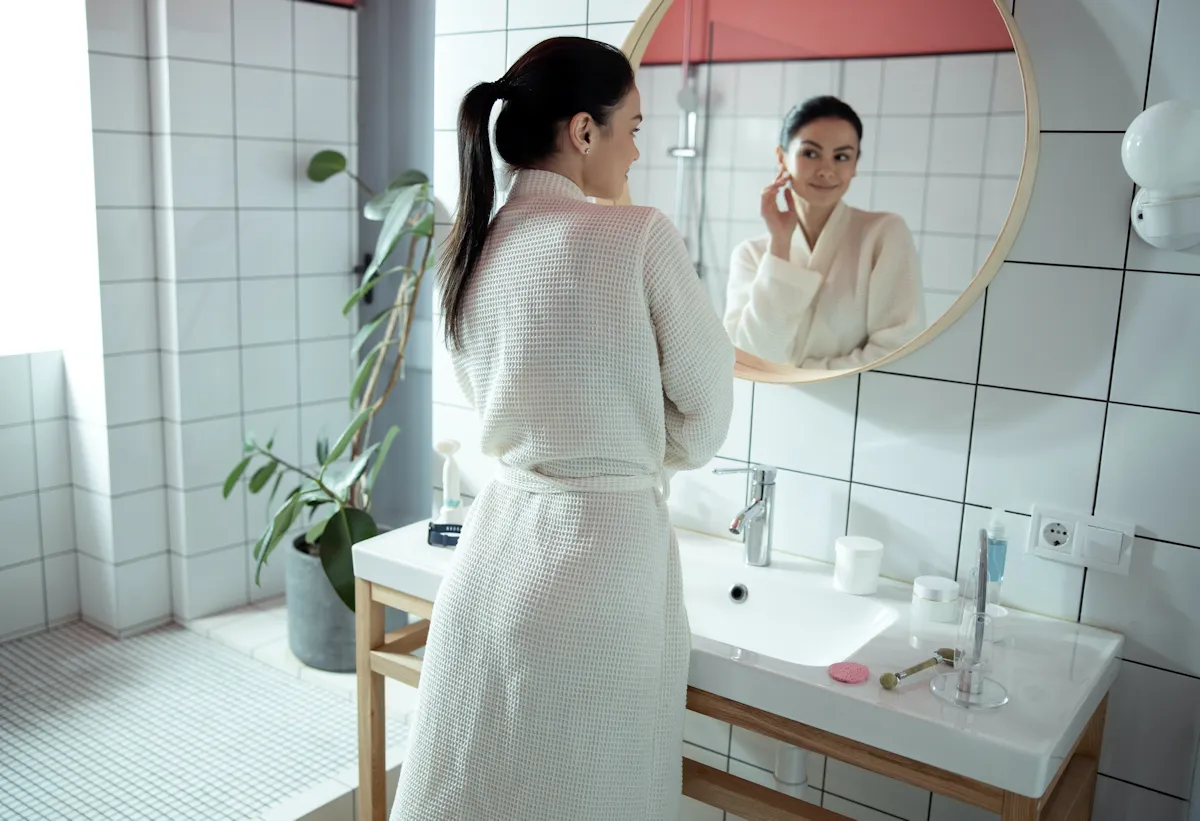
(857, 563)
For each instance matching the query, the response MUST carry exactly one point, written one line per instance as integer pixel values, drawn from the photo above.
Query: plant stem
(400, 350)
(412, 307)
(370, 192)
(364, 432)
(301, 471)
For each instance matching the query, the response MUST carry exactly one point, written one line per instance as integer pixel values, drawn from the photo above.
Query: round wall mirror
(848, 176)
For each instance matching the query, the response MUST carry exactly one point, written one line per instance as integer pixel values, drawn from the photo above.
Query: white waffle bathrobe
(851, 300)
(556, 669)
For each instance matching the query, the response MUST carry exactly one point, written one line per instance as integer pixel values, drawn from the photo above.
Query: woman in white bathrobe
(555, 674)
(829, 286)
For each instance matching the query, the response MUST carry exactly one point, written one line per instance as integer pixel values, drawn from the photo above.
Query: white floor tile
(169, 696)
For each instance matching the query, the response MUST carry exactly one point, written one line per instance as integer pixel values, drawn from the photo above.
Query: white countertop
(1056, 672)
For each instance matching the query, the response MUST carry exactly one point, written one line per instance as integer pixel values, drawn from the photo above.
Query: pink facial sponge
(849, 672)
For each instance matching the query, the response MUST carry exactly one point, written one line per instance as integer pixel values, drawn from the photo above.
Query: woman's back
(560, 346)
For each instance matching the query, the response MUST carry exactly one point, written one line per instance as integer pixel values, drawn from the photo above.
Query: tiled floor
(215, 722)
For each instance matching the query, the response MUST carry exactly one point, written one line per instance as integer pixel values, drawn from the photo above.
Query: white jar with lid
(857, 560)
(935, 599)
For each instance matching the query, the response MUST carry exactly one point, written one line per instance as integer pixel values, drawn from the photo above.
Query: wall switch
(1081, 539)
(1102, 545)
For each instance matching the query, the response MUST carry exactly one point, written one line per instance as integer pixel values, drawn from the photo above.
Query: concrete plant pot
(320, 625)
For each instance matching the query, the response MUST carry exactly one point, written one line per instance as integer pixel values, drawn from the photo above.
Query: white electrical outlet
(1081, 539)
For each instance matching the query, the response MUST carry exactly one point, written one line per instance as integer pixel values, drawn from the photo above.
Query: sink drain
(739, 593)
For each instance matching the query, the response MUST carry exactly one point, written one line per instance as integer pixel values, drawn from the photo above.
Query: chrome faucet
(755, 524)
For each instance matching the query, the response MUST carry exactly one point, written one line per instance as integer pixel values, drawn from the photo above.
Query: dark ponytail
(555, 80)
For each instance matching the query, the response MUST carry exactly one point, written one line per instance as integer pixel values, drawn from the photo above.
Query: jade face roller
(890, 681)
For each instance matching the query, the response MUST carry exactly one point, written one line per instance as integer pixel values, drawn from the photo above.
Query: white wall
(223, 270)
(213, 310)
(50, 305)
(39, 584)
(1073, 383)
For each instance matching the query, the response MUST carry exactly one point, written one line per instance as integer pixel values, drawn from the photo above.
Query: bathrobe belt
(533, 482)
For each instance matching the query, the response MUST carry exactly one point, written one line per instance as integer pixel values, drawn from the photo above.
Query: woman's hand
(781, 222)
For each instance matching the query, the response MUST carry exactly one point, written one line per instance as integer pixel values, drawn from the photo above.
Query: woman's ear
(581, 130)
(781, 158)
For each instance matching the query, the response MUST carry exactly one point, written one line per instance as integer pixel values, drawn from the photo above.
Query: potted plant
(332, 500)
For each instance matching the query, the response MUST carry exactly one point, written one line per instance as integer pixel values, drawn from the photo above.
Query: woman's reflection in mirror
(829, 286)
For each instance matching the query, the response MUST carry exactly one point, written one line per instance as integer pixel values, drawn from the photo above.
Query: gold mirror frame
(753, 368)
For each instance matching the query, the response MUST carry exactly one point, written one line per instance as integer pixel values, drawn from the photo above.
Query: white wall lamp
(1161, 153)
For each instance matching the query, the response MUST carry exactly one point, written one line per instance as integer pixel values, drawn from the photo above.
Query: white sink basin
(793, 616)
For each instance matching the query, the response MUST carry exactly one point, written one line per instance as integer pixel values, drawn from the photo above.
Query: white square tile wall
(1017, 402)
(38, 582)
(222, 277)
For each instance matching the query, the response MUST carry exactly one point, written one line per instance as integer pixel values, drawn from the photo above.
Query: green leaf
(347, 436)
(395, 225)
(424, 228)
(368, 284)
(357, 468)
(378, 207)
(322, 448)
(346, 528)
(364, 333)
(410, 177)
(263, 475)
(364, 372)
(234, 475)
(275, 488)
(325, 164)
(313, 535)
(283, 520)
(383, 452)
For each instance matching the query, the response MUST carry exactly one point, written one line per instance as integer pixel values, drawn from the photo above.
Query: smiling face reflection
(822, 158)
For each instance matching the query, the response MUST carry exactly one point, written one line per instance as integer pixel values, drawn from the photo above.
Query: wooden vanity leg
(372, 773)
(1072, 793)
(1089, 746)
(1019, 808)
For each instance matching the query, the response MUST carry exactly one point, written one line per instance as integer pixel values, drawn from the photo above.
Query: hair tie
(502, 88)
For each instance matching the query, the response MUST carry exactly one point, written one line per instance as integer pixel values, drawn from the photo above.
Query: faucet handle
(763, 474)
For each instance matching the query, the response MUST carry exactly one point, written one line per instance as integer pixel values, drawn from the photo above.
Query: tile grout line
(962, 521)
(853, 452)
(37, 500)
(237, 267)
(296, 260)
(1112, 365)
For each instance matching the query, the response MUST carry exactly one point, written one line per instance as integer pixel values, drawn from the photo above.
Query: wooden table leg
(1019, 808)
(372, 772)
(1072, 792)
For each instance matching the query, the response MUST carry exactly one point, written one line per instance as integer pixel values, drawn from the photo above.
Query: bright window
(47, 196)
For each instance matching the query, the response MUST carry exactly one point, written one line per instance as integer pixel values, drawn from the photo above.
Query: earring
(587, 150)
